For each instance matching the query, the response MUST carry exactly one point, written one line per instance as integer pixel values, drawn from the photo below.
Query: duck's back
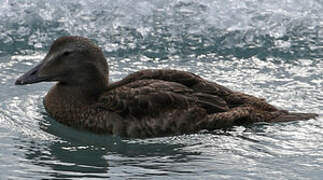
(189, 84)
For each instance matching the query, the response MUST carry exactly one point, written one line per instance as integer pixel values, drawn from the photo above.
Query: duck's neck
(67, 103)
(64, 96)
(76, 92)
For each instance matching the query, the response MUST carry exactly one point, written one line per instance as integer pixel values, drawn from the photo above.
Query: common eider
(147, 103)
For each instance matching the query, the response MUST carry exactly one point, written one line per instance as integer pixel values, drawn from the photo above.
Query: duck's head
(73, 61)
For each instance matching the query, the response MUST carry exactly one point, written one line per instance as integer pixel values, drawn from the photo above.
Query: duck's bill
(30, 77)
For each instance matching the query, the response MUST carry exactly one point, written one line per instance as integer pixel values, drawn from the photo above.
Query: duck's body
(148, 103)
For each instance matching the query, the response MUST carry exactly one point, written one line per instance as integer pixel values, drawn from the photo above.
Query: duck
(147, 103)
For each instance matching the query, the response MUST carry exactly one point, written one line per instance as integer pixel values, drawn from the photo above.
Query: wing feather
(152, 97)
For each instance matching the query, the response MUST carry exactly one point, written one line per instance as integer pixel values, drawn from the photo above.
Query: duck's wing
(185, 78)
(150, 97)
(198, 85)
(182, 77)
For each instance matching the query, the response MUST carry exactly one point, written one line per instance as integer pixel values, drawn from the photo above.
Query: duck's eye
(66, 53)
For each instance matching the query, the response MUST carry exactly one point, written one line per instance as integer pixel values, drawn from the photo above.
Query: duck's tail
(293, 116)
(247, 115)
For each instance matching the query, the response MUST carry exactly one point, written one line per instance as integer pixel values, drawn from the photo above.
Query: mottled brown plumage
(147, 103)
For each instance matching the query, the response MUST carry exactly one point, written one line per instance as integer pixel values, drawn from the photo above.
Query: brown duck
(147, 103)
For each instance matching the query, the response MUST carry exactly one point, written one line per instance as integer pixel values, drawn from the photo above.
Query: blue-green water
(271, 49)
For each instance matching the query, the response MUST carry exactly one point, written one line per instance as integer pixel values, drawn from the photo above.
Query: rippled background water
(270, 49)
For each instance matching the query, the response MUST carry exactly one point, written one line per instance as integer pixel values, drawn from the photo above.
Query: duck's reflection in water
(76, 153)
